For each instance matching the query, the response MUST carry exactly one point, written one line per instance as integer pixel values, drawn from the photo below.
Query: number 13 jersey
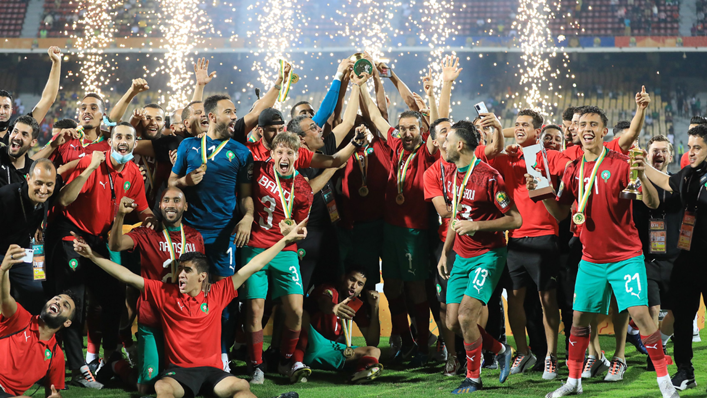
(268, 205)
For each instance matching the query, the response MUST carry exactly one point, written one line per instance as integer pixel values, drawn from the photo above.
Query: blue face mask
(121, 159)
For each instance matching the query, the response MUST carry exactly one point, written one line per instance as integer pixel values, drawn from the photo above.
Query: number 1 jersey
(268, 205)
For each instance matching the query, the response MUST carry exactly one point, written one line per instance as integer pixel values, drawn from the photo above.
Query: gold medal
(400, 199)
(348, 352)
(289, 222)
(203, 167)
(363, 191)
(579, 218)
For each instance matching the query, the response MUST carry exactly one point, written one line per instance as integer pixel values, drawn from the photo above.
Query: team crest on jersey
(230, 155)
(73, 263)
(502, 199)
(149, 372)
(205, 308)
(47, 354)
(126, 186)
(605, 175)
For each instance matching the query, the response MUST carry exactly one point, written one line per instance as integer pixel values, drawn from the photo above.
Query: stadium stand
(12, 14)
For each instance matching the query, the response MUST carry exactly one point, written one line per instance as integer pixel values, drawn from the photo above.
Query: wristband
(279, 87)
(356, 144)
(338, 75)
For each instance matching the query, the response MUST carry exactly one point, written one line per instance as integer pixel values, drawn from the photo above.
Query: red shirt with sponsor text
(24, 358)
(536, 220)
(608, 234)
(93, 210)
(485, 198)
(329, 325)
(191, 325)
(268, 205)
(153, 253)
(413, 213)
(262, 154)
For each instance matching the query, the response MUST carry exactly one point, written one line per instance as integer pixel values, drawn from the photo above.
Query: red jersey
(434, 179)
(268, 205)
(370, 207)
(262, 154)
(413, 212)
(191, 325)
(485, 198)
(153, 253)
(576, 151)
(536, 220)
(25, 358)
(94, 209)
(72, 150)
(685, 160)
(329, 325)
(609, 234)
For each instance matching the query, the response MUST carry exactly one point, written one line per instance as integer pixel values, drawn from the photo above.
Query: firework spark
(96, 24)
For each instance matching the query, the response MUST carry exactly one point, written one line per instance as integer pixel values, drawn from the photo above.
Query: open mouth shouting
(658, 162)
(182, 285)
(123, 149)
(204, 122)
(283, 166)
(15, 146)
(54, 309)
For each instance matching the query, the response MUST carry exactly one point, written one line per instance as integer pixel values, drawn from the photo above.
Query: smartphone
(355, 303)
(29, 256)
(481, 108)
(384, 72)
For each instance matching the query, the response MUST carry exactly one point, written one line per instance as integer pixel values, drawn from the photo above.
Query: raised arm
(61, 138)
(381, 99)
(381, 124)
(404, 91)
(321, 161)
(326, 108)
(14, 256)
(201, 72)
(69, 192)
(268, 101)
(450, 72)
(490, 120)
(318, 182)
(428, 86)
(136, 87)
(629, 137)
(51, 89)
(342, 129)
(117, 271)
(258, 262)
(119, 242)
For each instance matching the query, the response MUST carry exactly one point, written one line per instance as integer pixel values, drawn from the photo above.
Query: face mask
(121, 159)
(4, 125)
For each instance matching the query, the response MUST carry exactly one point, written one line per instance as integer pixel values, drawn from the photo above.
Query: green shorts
(150, 348)
(323, 353)
(368, 235)
(283, 270)
(405, 254)
(592, 291)
(476, 277)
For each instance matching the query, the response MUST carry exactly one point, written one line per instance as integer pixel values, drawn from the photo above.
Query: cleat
(404, 353)
(441, 353)
(594, 366)
(419, 360)
(489, 361)
(635, 339)
(452, 366)
(396, 343)
(504, 363)
(550, 371)
(467, 386)
(684, 379)
(370, 373)
(616, 370)
(84, 378)
(566, 390)
(521, 363)
(258, 376)
(298, 372)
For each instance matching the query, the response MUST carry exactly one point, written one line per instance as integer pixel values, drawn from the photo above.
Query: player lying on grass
(189, 312)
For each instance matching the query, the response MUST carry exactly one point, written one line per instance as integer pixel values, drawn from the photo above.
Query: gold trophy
(631, 192)
(361, 65)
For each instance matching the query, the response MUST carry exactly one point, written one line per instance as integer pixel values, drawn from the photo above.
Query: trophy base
(631, 195)
(537, 195)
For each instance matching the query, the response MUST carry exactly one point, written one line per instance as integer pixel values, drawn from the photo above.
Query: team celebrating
(200, 227)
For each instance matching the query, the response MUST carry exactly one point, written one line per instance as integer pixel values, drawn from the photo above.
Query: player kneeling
(190, 312)
(332, 309)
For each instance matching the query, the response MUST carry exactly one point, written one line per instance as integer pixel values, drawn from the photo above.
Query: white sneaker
(594, 366)
(258, 377)
(667, 389)
(566, 390)
(452, 366)
(550, 371)
(695, 332)
(298, 372)
(616, 371)
(521, 363)
(441, 353)
(368, 374)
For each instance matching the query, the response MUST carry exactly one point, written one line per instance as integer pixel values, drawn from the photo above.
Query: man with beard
(688, 277)
(481, 211)
(210, 170)
(567, 127)
(551, 137)
(14, 160)
(613, 258)
(24, 205)
(40, 110)
(189, 313)
(694, 122)
(91, 215)
(29, 349)
(159, 254)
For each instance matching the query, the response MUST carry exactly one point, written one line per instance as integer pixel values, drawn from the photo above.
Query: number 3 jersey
(268, 204)
(485, 198)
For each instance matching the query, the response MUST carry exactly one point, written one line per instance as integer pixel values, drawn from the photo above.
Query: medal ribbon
(285, 89)
(172, 250)
(363, 164)
(457, 195)
(286, 207)
(218, 149)
(585, 192)
(82, 136)
(348, 328)
(402, 171)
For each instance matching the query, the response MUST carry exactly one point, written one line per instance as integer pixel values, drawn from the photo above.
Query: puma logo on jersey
(181, 307)
(103, 184)
(196, 149)
(653, 347)
(26, 336)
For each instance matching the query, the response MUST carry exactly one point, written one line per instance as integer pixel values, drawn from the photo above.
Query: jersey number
(466, 213)
(596, 186)
(628, 278)
(269, 207)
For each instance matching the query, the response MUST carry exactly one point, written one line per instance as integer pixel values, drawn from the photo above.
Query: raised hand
(428, 83)
(81, 247)
(344, 66)
(450, 69)
(201, 71)
(643, 99)
(54, 54)
(359, 80)
(97, 157)
(126, 206)
(14, 255)
(139, 85)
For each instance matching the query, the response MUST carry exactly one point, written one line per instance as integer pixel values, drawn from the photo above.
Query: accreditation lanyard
(218, 149)
(444, 185)
(586, 191)
(403, 168)
(173, 252)
(458, 194)
(286, 206)
(657, 231)
(112, 189)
